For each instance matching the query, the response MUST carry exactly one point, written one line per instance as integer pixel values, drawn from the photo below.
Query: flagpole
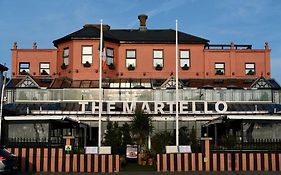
(177, 89)
(100, 86)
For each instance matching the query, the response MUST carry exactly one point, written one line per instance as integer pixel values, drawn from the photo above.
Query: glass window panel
(184, 62)
(157, 54)
(158, 62)
(24, 65)
(109, 60)
(109, 52)
(86, 58)
(131, 53)
(249, 66)
(219, 66)
(65, 60)
(66, 52)
(87, 50)
(184, 54)
(45, 65)
(130, 62)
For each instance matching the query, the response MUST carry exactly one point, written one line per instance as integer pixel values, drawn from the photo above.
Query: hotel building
(225, 88)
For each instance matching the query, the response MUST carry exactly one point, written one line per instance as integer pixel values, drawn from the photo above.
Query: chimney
(142, 19)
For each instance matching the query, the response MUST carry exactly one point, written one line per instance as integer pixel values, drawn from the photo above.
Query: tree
(126, 137)
(141, 126)
(113, 137)
(160, 140)
(184, 136)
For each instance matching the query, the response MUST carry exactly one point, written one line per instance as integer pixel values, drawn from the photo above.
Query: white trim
(253, 117)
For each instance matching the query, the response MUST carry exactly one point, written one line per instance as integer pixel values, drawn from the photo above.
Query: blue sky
(243, 22)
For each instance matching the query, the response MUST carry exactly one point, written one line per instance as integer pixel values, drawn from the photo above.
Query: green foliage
(184, 136)
(160, 140)
(113, 137)
(141, 126)
(117, 137)
(193, 140)
(126, 137)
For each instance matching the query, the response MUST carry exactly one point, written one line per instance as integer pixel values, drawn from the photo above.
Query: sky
(220, 21)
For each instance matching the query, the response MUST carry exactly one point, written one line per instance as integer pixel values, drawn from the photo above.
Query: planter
(63, 66)
(111, 66)
(87, 64)
(219, 72)
(251, 72)
(185, 67)
(158, 67)
(150, 161)
(131, 67)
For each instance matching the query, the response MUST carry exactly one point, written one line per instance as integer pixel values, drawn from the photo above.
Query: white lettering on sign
(158, 107)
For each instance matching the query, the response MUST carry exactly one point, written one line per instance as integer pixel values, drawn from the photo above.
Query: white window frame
(158, 57)
(220, 67)
(131, 59)
(87, 54)
(44, 66)
(109, 56)
(66, 56)
(184, 59)
(24, 68)
(249, 67)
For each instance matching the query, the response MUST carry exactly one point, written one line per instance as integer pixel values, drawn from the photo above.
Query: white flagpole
(177, 88)
(100, 86)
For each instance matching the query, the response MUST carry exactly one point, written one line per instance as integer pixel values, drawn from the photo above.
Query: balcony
(189, 94)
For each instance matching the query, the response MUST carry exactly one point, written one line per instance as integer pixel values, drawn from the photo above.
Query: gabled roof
(128, 35)
(3, 68)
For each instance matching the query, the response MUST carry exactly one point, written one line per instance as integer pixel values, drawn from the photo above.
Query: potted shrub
(185, 67)
(251, 72)
(63, 66)
(24, 72)
(158, 67)
(219, 72)
(87, 64)
(111, 66)
(131, 67)
(44, 72)
(150, 158)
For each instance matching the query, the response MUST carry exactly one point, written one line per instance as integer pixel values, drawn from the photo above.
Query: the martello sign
(167, 107)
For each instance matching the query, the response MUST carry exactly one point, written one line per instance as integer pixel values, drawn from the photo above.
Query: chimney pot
(142, 19)
(15, 46)
(34, 45)
(266, 45)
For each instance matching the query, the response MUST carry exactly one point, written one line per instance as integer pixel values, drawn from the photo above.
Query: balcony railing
(227, 47)
(57, 95)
